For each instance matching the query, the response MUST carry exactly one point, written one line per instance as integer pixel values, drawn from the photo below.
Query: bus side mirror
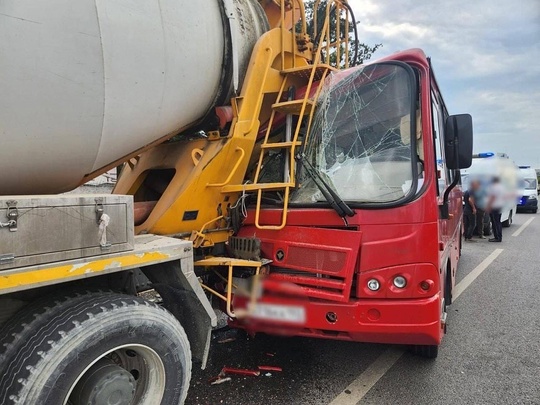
(458, 141)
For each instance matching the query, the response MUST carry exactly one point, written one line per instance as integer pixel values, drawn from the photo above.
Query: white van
(528, 196)
(484, 167)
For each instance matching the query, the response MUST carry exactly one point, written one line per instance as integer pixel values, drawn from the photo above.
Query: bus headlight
(400, 281)
(532, 197)
(373, 284)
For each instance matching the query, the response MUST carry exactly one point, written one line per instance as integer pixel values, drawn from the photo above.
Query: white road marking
(358, 389)
(365, 381)
(522, 227)
(473, 275)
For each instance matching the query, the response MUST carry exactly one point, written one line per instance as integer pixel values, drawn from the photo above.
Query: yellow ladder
(303, 107)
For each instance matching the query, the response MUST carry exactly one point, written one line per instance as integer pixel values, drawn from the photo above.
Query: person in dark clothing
(469, 211)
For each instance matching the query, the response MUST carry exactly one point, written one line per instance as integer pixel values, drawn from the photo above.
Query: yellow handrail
(325, 34)
(233, 171)
(261, 95)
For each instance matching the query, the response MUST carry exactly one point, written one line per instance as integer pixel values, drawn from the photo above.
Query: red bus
(373, 235)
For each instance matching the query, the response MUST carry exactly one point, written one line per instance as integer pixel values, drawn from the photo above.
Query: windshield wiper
(335, 201)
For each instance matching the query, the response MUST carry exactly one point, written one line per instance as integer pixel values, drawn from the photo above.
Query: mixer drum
(85, 83)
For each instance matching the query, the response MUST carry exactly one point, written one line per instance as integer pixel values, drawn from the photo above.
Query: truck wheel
(95, 348)
(508, 222)
(427, 351)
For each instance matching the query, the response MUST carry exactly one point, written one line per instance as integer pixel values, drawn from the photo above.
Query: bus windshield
(360, 141)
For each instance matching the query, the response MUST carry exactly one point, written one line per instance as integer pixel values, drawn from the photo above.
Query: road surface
(491, 354)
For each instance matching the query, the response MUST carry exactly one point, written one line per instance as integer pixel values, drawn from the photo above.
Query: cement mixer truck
(262, 169)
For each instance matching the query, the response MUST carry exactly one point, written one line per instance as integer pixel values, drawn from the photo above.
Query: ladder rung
(279, 145)
(255, 187)
(305, 71)
(293, 107)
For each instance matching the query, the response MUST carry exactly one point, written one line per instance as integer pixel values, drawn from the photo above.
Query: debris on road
(219, 380)
(239, 371)
(270, 368)
(227, 340)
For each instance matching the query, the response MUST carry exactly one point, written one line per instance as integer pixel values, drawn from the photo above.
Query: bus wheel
(95, 348)
(427, 351)
(448, 296)
(508, 222)
(460, 242)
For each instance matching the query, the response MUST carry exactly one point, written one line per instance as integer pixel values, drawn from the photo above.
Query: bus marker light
(373, 284)
(400, 282)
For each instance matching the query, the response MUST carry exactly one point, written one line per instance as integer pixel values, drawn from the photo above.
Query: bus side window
(438, 140)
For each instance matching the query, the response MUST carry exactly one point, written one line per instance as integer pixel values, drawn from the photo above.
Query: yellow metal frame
(230, 263)
(210, 173)
(149, 249)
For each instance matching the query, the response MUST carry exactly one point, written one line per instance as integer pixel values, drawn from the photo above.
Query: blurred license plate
(282, 313)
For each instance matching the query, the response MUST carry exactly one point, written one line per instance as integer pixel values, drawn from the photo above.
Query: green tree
(358, 51)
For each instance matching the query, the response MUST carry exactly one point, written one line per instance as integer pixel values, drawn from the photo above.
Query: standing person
(495, 204)
(469, 211)
(480, 201)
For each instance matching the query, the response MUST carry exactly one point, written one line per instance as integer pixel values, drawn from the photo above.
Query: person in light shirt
(496, 201)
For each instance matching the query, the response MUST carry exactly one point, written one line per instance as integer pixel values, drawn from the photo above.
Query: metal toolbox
(43, 229)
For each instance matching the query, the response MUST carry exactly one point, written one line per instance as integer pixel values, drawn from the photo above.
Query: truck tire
(94, 348)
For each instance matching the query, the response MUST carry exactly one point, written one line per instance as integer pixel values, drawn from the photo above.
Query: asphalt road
(491, 354)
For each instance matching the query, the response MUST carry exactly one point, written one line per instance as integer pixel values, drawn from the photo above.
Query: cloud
(486, 55)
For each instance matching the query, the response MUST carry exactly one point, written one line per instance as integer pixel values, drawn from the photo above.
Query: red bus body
(410, 240)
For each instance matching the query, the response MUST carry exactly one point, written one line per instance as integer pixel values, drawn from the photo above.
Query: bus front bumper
(395, 321)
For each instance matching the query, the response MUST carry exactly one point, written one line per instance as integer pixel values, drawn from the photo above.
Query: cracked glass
(360, 139)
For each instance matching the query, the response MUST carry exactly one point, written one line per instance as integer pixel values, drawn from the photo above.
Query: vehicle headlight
(533, 197)
(400, 281)
(373, 284)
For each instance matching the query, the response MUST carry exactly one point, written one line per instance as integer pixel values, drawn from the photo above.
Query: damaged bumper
(404, 321)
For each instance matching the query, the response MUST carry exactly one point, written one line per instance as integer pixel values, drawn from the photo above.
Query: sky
(486, 57)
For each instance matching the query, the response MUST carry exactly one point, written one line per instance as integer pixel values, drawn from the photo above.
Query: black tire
(460, 242)
(49, 345)
(427, 351)
(508, 222)
(448, 288)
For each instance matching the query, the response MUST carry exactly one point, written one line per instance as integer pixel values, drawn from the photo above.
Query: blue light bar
(524, 167)
(486, 154)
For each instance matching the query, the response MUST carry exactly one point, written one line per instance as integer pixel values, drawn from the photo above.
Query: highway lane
(491, 354)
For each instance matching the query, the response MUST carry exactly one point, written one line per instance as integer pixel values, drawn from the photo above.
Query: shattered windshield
(360, 140)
